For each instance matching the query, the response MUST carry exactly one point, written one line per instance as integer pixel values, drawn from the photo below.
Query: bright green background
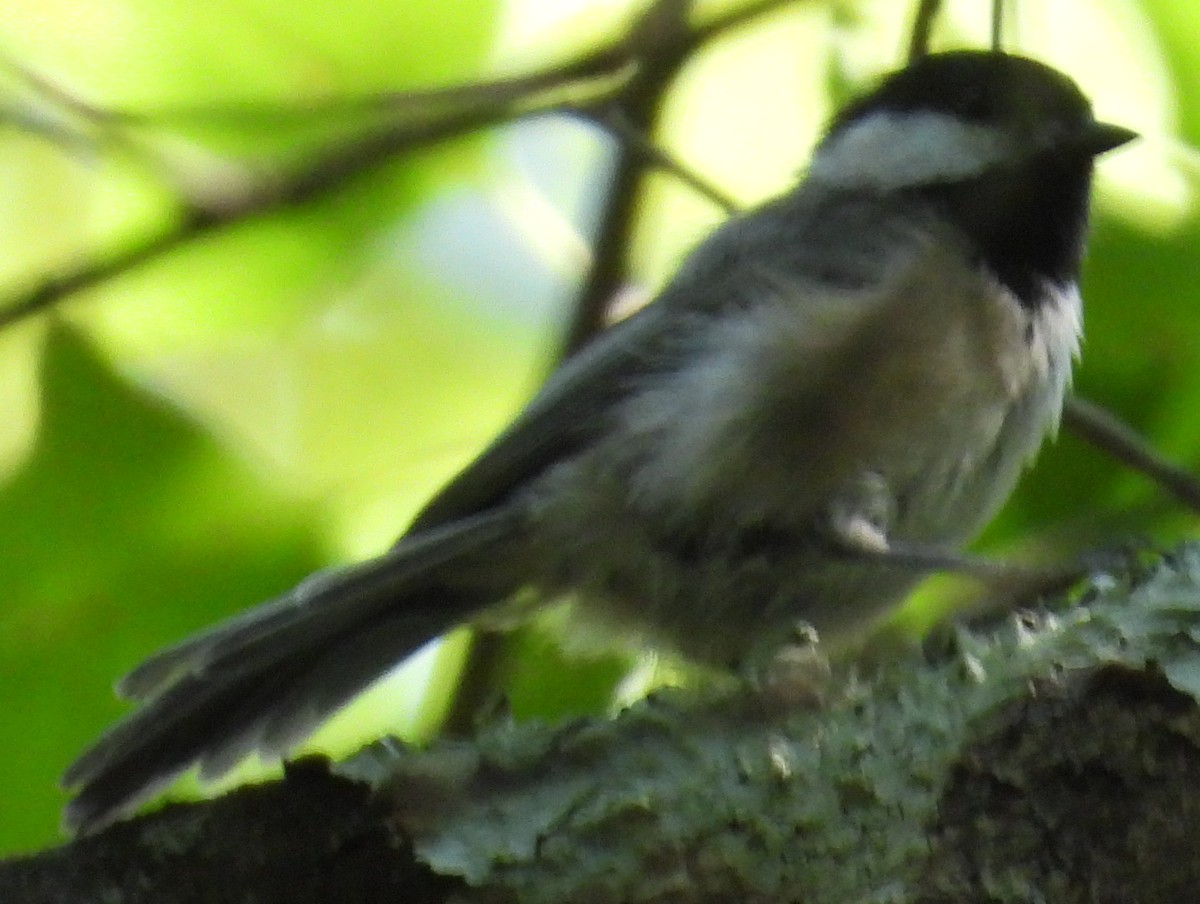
(204, 431)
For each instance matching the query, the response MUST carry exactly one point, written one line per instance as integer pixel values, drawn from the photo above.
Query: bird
(830, 398)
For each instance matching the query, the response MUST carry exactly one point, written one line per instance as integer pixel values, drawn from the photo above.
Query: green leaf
(127, 528)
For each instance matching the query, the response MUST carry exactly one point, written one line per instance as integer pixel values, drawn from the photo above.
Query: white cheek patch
(888, 151)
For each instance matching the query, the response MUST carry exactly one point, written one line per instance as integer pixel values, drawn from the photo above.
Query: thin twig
(727, 21)
(668, 43)
(927, 13)
(322, 174)
(997, 25)
(654, 156)
(617, 68)
(663, 34)
(598, 63)
(1105, 431)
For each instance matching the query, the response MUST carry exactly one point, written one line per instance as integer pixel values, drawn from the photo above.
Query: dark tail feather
(264, 680)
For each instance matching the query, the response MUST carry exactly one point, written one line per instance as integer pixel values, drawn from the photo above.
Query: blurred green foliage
(281, 394)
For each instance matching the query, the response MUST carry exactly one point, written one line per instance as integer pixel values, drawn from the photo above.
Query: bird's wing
(786, 248)
(570, 410)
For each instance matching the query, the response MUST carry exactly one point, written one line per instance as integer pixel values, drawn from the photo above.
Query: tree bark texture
(1054, 756)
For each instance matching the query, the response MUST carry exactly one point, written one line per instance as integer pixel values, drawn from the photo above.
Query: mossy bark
(1054, 757)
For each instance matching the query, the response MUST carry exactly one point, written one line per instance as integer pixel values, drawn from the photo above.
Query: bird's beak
(1103, 136)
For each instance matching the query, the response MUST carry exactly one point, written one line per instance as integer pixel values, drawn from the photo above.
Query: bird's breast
(938, 380)
(707, 499)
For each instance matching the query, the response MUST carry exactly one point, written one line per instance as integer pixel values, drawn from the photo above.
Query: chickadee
(833, 383)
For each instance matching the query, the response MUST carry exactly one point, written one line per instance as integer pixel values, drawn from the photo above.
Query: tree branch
(1055, 758)
(922, 29)
(1105, 431)
(617, 73)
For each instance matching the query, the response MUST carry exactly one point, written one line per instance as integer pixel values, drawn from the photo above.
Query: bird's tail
(265, 679)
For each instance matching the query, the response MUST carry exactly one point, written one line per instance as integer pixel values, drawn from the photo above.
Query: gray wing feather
(264, 680)
(575, 403)
(566, 414)
(376, 582)
(815, 245)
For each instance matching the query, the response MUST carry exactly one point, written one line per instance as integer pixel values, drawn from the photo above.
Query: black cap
(1013, 93)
